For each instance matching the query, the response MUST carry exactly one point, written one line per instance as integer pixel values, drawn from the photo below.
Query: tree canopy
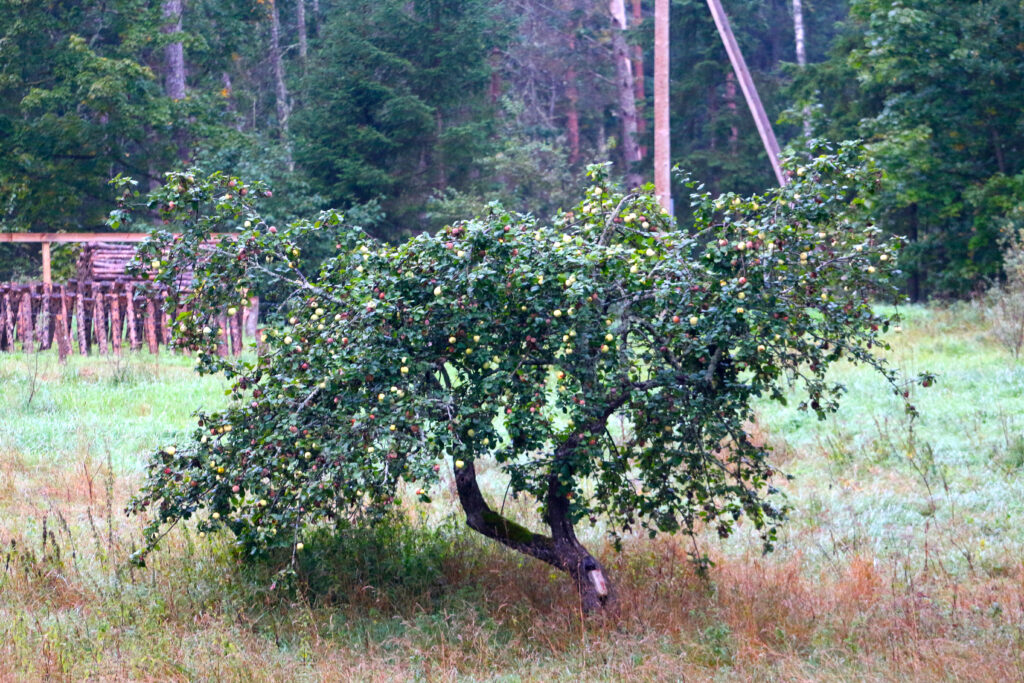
(606, 360)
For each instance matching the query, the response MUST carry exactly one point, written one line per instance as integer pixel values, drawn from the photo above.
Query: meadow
(902, 559)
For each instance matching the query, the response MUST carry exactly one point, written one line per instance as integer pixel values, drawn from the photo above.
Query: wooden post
(116, 329)
(165, 321)
(236, 333)
(222, 334)
(63, 333)
(99, 319)
(47, 280)
(133, 325)
(25, 331)
(83, 331)
(8, 321)
(739, 65)
(150, 326)
(46, 322)
(252, 317)
(662, 142)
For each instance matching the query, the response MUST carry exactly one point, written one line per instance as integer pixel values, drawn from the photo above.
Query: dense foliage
(423, 112)
(606, 361)
(935, 88)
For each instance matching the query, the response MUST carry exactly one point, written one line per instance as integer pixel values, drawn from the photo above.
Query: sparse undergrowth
(902, 560)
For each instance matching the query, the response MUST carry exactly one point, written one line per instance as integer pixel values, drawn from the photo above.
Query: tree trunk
(730, 102)
(638, 81)
(280, 89)
(801, 55)
(316, 17)
(561, 550)
(916, 270)
(627, 96)
(662, 163)
(174, 53)
(300, 21)
(174, 67)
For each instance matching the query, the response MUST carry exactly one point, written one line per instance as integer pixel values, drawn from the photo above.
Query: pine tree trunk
(627, 96)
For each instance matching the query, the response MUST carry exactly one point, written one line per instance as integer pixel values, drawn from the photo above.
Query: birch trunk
(801, 54)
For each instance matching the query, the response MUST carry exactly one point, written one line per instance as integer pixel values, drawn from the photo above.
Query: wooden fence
(84, 316)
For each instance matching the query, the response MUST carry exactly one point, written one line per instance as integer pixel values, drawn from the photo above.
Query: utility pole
(662, 142)
(739, 65)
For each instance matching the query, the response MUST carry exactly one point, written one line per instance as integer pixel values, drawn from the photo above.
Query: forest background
(412, 114)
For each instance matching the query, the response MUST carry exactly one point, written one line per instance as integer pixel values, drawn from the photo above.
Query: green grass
(119, 407)
(902, 559)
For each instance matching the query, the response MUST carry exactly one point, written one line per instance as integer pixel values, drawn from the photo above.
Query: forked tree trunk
(561, 549)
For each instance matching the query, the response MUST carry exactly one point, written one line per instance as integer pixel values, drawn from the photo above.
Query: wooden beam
(61, 237)
(739, 65)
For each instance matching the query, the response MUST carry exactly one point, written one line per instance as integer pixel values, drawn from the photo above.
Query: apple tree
(606, 361)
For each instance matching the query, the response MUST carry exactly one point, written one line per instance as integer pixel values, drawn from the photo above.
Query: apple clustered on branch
(607, 362)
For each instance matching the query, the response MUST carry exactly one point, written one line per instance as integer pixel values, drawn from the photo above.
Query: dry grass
(902, 562)
(70, 609)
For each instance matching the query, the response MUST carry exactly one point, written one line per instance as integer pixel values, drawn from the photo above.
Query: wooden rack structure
(102, 308)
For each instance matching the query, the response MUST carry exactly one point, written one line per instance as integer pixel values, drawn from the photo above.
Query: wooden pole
(739, 65)
(47, 279)
(116, 328)
(130, 319)
(662, 144)
(81, 329)
(149, 324)
(25, 328)
(99, 322)
(63, 327)
(8, 321)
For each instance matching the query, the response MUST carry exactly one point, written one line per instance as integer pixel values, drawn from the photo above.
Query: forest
(409, 115)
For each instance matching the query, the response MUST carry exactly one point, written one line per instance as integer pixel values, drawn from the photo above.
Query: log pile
(108, 262)
(97, 314)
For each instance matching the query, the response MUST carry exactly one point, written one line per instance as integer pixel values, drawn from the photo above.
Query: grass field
(902, 561)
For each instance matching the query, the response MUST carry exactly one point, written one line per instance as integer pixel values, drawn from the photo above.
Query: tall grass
(902, 560)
